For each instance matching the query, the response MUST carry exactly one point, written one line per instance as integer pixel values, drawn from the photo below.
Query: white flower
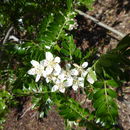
(68, 82)
(66, 78)
(51, 70)
(59, 85)
(54, 88)
(90, 79)
(81, 69)
(84, 65)
(78, 82)
(62, 89)
(38, 69)
(84, 73)
(52, 64)
(57, 70)
(48, 47)
(75, 87)
(68, 66)
(74, 72)
(50, 78)
(62, 75)
(62, 81)
(81, 82)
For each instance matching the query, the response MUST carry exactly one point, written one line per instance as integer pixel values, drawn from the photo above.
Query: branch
(7, 34)
(100, 23)
(28, 109)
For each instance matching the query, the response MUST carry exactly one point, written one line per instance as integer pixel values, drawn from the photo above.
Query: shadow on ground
(123, 5)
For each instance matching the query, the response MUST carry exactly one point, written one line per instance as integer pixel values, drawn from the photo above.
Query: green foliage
(104, 103)
(49, 26)
(71, 110)
(111, 69)
(69, 49)
(114, 63)
(5, 98)
(86, 2)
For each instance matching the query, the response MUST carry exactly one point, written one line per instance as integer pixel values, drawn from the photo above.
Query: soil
(115, 13)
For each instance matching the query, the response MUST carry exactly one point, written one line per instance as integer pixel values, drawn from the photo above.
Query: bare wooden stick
(28, 109)
(101, 24)
(7, 34)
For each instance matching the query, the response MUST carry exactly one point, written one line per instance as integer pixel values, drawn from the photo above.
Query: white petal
(57, 70)
(54, 88)
(57, 59)
(54, 79)
(20, 20)
(61, 76)
(48, 47)
(84, 73)
(75, 87)
(58, 81)
(49, 56)
(45, 63)
(55, 73)
(62, 90)
(74, 72)
(47, 80)
(90, 80)
(85, 64)
(42, 62)
(37, 78)
(80, 79)
(57, 67)
(49, 70)
(81, 84)
(44, 74)
(77, 66)
(68, 82)
(68, 66)
(32, 71)
(35, 63)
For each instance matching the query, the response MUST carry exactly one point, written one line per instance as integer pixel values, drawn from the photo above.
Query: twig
(14, 38)
(7, 34)
(100, 23)
(28, 109)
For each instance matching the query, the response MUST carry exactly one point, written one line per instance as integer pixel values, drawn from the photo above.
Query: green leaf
(101, 109)
(65, 52)
(78, 53)
(2, 105)
(111, 93)
(112, 83)
(69, 4)
(65, 45)
(99, 93)
(98, 101)
(98, 84)
(127, 52)
(71, 110)
(124, 43)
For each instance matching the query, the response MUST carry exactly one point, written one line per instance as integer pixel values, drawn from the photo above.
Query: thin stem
(106, 96)
(7, 34)
(100, 23)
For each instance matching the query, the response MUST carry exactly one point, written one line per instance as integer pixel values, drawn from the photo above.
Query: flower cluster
(71, 76)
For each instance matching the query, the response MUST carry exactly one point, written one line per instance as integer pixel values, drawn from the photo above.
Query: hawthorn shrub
(47, 66)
